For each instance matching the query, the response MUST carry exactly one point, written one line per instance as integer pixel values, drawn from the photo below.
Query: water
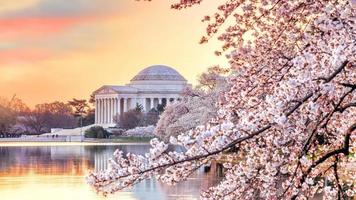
(57, 172)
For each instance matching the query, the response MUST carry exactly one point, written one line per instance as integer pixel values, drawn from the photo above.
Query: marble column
(104, 111)
(159, 100)
(143, 101)
(107, 111)
(115, 108)
(119, 105)
(111, 110)
(96, 112)
(152, 103)
(125, 104)
(99, 111)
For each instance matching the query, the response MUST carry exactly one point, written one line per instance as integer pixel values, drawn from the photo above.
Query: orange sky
(56, 50)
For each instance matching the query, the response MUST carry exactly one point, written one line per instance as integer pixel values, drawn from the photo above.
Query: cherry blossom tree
(185, 115)
(213, 79)
(197, 106)
(289, 116)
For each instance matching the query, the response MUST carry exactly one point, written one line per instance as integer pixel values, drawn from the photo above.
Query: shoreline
(8, 142)
(85, 143)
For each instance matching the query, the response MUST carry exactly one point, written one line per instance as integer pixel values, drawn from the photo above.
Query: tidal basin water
(57, 172)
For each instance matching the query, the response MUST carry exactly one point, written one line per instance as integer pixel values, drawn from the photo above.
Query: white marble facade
(157, 84)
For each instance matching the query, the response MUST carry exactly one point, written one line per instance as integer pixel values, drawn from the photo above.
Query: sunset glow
(56, 50)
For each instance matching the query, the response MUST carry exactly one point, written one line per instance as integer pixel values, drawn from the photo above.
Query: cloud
(55, 8)
(32, 27)
(35, 29)
(35, 39)
(10, 6)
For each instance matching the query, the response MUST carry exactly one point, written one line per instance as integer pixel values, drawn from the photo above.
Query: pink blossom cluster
(288, 123)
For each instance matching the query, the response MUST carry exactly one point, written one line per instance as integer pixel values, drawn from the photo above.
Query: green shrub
(96, 132)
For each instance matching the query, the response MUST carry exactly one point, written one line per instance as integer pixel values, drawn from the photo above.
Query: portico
(109, 106)
(154, 85)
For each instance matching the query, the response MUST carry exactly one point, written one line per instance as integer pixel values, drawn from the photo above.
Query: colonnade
(106, 108)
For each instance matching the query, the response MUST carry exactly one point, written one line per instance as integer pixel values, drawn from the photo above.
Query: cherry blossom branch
(337, 107)
(219, 21)
(339, 192)
(227, 147)
(344, 150)
(185, 4)
(349, 85)
(345, 107)
(294, 82)
(336, 72)
(204, 156)
(311, 138)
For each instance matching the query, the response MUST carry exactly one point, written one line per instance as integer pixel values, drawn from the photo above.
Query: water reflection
(58, 172)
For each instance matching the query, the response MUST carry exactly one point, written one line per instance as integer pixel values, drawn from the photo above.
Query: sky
(58, 50)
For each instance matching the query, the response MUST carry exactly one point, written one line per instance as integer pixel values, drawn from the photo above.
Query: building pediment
(113, 89)
(105, 90)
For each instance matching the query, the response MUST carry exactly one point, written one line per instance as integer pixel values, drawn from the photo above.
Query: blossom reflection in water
(58, 172)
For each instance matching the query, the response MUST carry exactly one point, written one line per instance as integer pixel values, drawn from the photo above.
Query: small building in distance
(157, 84)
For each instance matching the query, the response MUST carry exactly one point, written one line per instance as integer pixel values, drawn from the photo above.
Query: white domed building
(157, 84)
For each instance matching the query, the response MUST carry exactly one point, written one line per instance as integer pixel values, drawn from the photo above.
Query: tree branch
(227, 147)
(349, 85)
(344, 150)
(336, 72)
(339, 192)
(349, 105)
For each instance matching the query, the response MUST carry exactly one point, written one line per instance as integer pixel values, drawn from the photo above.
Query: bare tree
(48, 115)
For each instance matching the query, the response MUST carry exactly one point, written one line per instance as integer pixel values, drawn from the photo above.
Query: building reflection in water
(58, 172)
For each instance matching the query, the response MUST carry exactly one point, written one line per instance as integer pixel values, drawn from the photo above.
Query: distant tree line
(16, 118)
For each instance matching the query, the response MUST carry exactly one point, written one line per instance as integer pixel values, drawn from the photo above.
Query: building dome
(158, 73)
